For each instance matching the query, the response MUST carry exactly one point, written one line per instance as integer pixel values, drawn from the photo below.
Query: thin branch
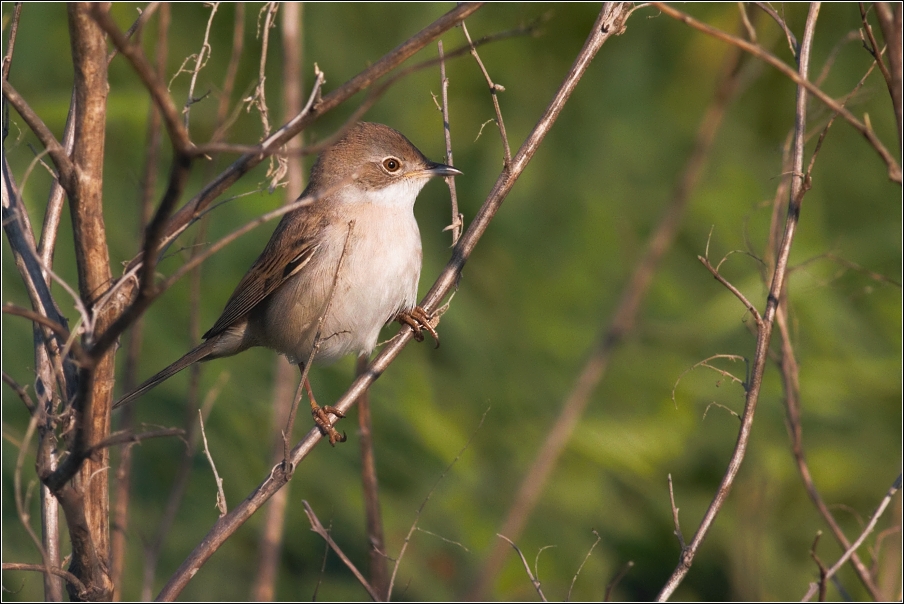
(81, 356)
(611, 21)
(734, 290)
(65, 168)
(200, 62)
(620, 325)
(124, 438)
(457, 220)
(530, 575)
(373, 519)
(791, 385)
(863, 535)
(221, 496)
(894, 170)
(59, 572)
(574, 579)
(11, 45)
(789, 35)
(150, 78)
(610, 587)
(494, 89)
(764, 331)
(873, 47)
(675, 521)
(420, 509)
(317, 527)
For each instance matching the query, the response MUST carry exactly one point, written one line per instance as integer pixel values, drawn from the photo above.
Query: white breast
(378, 278)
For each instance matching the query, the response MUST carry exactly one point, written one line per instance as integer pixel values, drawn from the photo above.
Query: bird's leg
(418, 320)
(321, 418)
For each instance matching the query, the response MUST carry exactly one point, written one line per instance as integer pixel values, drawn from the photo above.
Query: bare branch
(764, 331)
(610, 22)
(620, 325)
(221, 496)
(530, 575)
(65, 169)
(494, 89)
(581, 567)
(894, 170)
(457, 220)
(895, 487)
(317, 527)
(59, 572)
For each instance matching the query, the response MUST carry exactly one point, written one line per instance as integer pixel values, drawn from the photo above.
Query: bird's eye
(391, 164)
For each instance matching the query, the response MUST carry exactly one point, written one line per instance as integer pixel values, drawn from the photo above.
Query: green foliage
(534, 297)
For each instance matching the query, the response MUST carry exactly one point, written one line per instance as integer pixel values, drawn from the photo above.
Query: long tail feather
(195, 355)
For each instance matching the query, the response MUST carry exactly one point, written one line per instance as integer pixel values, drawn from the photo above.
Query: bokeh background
(534, 297)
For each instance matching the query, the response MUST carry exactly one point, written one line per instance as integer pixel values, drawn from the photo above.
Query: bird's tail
(197, 354)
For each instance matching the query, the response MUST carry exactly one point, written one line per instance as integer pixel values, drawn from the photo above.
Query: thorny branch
(894, 170)
(764, 329)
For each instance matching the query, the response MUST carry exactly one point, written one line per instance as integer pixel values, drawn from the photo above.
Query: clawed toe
(418, 320)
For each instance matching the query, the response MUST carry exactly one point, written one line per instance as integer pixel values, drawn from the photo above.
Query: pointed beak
(435, 169)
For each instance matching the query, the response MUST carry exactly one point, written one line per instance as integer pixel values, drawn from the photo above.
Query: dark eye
(392, 164)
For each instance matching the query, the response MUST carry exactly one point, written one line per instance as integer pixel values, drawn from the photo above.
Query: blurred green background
(534, 296)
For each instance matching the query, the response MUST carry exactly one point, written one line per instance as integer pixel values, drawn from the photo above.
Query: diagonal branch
(764, 329)
(894, 170)
(611, 21)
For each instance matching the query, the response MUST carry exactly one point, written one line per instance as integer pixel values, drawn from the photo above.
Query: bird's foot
(418, 320)
(322, 419)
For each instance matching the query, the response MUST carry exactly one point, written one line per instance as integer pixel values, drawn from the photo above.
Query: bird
(336, 269)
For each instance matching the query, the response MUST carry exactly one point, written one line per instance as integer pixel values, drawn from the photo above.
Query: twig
(574, 579)
(610, 22)
(373, 519)
(59, 572)
(873, 47)
(457, 220)
(417, 516)
(65, 169)
(734, 290)
(820, 566)
(200, 61)
(530, 575)
(221, 496)
(317, 527)
(789, 35)
(894, 170)
(863, 535)
(154, 546)
(791, 385)
(494, 88)
(123, 437)
(678, 533)
(764, 331)
(620, 324)
(77, 350)
(610, 587)
(705, 363)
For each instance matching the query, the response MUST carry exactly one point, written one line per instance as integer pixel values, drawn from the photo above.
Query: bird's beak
(435, 169)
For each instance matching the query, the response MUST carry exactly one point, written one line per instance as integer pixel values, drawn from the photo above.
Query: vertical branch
(90, 558)
(457, 220)
(892, 24)
(271, 538)
(373, 517)
(764, 327)
(611, 21)
(154, 135)
(621, 324)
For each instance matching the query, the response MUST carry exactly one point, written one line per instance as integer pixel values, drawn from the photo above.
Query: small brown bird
(351, 257)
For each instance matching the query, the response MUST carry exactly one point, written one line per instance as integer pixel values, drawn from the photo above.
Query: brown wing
(293, 244)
